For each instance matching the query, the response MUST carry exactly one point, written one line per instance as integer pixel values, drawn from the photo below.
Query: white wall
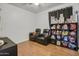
(16, 23)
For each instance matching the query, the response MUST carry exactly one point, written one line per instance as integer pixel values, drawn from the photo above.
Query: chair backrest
(46, 31)
(38, 30)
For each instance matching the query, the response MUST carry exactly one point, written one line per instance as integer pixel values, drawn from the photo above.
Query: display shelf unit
(63, 28)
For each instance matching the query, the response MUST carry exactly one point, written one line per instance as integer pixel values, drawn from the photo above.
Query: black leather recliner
(32, 36)
(44, 38)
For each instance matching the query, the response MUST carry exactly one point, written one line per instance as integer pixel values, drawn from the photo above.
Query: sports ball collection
(64, 28)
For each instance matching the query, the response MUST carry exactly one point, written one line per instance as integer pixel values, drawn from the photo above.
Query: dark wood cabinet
(9, 48)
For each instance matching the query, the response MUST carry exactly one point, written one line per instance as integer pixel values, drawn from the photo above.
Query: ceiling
(35, 8)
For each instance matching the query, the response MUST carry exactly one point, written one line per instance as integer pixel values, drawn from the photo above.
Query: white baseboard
(21, 41)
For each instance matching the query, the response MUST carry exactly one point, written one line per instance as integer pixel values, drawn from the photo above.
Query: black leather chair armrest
(30, 35)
